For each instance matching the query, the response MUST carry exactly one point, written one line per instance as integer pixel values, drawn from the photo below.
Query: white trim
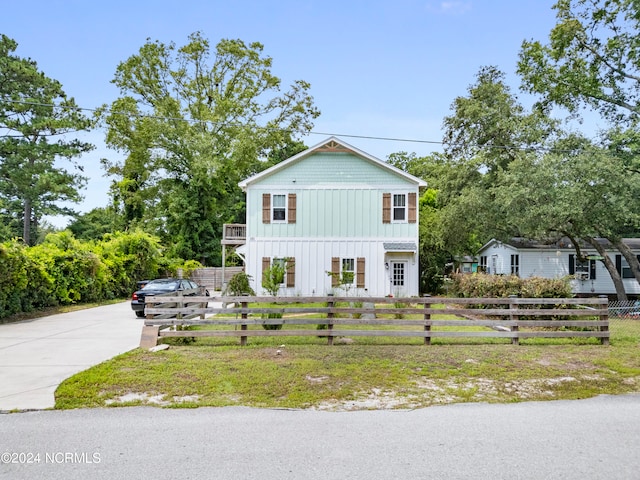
(406, 207)
(334, 186)
(338, 239)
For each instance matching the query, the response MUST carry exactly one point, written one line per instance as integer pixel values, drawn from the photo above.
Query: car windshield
(167, 285)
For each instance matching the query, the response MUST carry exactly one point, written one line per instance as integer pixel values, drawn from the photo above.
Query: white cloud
(451, 7)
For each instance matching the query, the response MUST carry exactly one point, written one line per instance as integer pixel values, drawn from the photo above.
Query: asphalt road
(587, 439)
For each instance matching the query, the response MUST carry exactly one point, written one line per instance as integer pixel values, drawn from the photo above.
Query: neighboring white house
(527, 258)
(334, 209)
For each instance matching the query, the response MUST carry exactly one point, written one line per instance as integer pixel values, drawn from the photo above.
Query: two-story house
(333, 210)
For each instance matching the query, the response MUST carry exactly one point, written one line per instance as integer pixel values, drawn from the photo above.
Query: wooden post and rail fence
(332, 317)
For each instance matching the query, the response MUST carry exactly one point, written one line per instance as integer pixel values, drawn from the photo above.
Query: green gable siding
(332, 169)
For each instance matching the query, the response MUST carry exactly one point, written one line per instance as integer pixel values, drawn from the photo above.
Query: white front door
(398, 278)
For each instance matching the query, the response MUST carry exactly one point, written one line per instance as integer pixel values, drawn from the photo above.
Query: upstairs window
(279, 208)
(399, 207)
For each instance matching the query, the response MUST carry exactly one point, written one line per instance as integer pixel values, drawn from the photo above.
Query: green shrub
(272, 327)
(481, 285)
(239, 284)
(13, 278)
(399, 305)
(64, 270)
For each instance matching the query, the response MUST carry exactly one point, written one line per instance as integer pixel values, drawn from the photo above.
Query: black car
(163, 286)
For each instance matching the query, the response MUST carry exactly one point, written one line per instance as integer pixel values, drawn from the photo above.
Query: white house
(527, 258)
(334, 209)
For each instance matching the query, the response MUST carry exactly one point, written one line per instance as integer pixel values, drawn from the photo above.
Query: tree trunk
(631, 258)
(26, 230)
(611, 268)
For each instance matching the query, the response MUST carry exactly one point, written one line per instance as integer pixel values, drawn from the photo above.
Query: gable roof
(331, 144)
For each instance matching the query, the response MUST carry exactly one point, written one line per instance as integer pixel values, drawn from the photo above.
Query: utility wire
(343, 135)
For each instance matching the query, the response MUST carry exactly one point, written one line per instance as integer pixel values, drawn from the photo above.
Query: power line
(343, 135)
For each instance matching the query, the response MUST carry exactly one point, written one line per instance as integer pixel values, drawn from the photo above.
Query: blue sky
(376, 68)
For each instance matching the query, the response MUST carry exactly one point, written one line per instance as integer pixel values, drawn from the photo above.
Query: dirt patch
(146, 398)
(441, 392)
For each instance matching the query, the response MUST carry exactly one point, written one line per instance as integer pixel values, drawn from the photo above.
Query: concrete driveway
(37, 355)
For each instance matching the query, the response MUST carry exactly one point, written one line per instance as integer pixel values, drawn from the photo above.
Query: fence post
(514, 317)
(243, 315)
(202, 291)
(427, 320)
(180, 305)
(330, 304)
(604, 304)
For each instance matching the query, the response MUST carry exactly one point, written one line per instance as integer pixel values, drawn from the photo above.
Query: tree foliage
(487, 131)
(273, 278)
(591, 62)
(591, 59)
(37, 120)
(579, 190)
(192, 122)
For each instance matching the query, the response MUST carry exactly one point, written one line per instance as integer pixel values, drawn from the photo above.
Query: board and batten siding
(328, 212)
(313, 259)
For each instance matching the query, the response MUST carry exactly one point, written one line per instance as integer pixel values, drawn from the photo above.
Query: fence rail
(514, 318)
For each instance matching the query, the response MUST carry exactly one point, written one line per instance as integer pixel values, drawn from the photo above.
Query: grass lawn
(360, 373)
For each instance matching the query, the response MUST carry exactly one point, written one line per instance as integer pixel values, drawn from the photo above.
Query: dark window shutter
(266, 208)
(619, 264)
(266, 263)
(291, 272)
(592, 269)
(292, 208)
(360, 272)
(386, 208)
(572, 264)
(335, 271)
(412, 208)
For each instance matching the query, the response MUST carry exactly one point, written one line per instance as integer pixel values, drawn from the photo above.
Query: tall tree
(578, 190)
(591, 62)
(37, 120)
(487, 131)
(192, 123)
(591, 59)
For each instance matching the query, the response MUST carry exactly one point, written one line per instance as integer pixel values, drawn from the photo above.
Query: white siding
(554, 263)
(313, 261)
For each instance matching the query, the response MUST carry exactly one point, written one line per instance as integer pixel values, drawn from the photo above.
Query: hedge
(481, 285)
(64, 270)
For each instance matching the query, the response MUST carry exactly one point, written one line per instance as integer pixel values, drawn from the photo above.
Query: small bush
(239, 284)
(272, 327)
